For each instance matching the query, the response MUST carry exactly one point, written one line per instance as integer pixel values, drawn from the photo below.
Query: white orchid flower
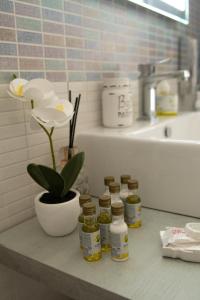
(57, 114)
(48, 110)
(16, 89)
(41, 91)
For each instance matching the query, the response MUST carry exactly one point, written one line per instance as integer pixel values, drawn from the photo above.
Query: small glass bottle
(91, 234)
(132, 187)
(133, 206)
(114, 189)
(107, 181)
(118, 233)
(82, 200)
(124, 187)
(104, 219)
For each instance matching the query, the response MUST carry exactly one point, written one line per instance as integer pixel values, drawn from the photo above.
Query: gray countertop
(58, 263)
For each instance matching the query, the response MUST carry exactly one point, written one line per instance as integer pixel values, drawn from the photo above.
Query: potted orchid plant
(57, 207)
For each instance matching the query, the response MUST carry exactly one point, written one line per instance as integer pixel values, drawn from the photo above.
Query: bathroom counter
(58, 263)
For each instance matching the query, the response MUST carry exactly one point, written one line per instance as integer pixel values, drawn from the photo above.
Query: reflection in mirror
(177, 10)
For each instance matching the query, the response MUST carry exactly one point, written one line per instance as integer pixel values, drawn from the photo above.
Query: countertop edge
(57, 280)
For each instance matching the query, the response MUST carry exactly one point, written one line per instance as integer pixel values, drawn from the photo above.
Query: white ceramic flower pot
(58, 219)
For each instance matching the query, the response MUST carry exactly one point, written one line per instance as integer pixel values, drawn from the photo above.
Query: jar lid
(89, 209)
(125, 178)
(133, 184)
(84, 199)
(104, 201)
(108, 180)
(117, 208)
(114, 187)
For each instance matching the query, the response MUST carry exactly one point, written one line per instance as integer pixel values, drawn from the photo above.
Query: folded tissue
(183, 243)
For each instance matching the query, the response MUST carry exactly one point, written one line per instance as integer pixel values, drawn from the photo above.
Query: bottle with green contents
(107, 181)
(104, 219)
(118, 233)
(124, 187)
(91, 240)
(82, 200)
(133, 206)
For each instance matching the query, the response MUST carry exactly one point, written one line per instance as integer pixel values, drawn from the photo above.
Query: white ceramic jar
(117, 106)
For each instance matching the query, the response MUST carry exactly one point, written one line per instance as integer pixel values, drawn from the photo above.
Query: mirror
(176, 10)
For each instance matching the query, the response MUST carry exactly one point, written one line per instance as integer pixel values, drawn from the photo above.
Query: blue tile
(52, 15)
(29, 37)
(91, 44)
(72, 19)
(6, 5)
(8, 49)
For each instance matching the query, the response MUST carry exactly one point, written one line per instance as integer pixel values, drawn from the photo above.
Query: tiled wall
(84, 39)
(76, 43)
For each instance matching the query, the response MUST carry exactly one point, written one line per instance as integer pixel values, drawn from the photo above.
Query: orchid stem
(49, 134)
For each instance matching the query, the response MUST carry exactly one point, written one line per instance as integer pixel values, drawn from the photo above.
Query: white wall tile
(13, 117)
(12, 170)
(13, 157)
(11, 131)
(13, 144)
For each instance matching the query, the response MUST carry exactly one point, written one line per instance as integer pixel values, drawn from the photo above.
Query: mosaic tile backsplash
(75, 44)
(84, 39)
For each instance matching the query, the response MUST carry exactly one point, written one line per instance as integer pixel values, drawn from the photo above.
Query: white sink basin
(168, 168)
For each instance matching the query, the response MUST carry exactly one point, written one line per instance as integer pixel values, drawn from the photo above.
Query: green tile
(58, 4)
(54, 64)
(6, 77)
(77, 76)
(29, 24)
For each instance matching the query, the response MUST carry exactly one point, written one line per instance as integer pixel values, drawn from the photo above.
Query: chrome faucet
(148, 81)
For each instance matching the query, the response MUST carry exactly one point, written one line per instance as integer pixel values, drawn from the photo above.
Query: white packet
(176, 236)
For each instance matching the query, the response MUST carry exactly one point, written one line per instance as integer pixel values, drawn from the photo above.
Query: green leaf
(47, 178)
(71, 170)
(14, 76)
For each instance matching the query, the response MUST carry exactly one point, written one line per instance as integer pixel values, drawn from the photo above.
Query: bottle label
(119, 244)
(91, 243)
(133, 213)
(105, 234)
(80, 233)
(167, 103)
(124, 106)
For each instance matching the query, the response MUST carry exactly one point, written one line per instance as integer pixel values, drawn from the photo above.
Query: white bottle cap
(193, 230)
